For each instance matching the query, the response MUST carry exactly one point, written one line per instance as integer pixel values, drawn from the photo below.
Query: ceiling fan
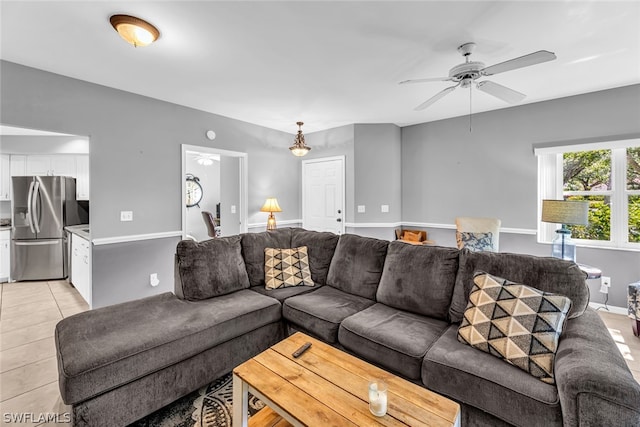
(466, 74)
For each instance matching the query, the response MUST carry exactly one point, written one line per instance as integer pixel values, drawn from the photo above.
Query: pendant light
(298, 148)
(135, 31)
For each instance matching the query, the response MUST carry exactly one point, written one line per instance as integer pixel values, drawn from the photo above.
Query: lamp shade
(271, 205)
(571, 212)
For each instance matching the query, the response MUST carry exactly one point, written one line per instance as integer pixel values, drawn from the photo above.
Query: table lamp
(565, 212)
(271, 206)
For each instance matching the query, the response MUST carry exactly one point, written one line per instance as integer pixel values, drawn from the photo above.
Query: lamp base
(271, 222)
(563, 246)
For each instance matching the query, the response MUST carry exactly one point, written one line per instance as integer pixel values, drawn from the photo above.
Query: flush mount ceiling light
(134, 30)
(298, 148)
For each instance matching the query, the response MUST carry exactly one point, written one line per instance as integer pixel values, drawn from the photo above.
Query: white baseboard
(612, 308)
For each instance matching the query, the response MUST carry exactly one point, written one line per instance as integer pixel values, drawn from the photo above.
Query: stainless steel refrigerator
(42, 207)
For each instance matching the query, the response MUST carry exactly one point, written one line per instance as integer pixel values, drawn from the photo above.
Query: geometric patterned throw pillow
(286, 267)
(475, 242)
(519, 324)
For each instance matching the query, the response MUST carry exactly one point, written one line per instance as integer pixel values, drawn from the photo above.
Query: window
(605, 174)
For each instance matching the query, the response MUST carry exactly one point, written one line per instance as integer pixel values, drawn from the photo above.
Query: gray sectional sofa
(392, 304)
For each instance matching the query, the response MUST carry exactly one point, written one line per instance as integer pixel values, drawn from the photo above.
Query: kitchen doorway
(213, 182)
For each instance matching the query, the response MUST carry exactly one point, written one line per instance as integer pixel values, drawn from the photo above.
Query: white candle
(378, 398)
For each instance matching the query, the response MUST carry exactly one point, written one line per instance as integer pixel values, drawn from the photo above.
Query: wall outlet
(126, 215)
(361, 209)
(153, 279)
(606, 281)
(384, 208)
(233, 208)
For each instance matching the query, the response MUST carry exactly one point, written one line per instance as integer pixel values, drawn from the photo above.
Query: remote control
(301, 350)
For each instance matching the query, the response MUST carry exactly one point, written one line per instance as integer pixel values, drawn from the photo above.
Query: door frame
(344, 186)
(244, 182)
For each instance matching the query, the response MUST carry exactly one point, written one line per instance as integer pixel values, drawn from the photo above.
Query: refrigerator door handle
(35, 212)
(36, 243)
(29, 207)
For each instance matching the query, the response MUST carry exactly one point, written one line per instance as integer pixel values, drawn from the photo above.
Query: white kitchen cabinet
(5, 257)
(5, 177)
(18, 165)
(54, 164)
(82, 177)
(81, 266)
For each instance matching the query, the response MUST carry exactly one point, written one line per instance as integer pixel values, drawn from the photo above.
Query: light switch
(126, 215)
(233, 208)
(361, 208)
(384, 208)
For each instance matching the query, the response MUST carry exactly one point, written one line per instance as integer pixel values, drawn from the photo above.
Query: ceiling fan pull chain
(470, 108)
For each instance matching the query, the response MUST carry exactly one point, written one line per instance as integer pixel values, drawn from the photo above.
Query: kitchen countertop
(81, 230)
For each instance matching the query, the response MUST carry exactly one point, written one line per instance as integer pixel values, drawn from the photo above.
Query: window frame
(550, 186)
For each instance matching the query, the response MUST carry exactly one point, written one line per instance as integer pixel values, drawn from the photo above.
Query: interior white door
(323, 194)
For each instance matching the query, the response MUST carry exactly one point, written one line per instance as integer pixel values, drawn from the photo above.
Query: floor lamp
(565, 212)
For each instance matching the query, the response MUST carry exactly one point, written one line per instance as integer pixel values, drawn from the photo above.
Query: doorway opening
(214, 185)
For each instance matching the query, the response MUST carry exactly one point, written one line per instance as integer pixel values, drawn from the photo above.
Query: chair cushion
(394, 339)
(210, 268)
(320, 312)
(419, 279)
(475, 378)
(102, 349)
(253, 246)
(475, 241)
(544, 273)
(516, 323)
(357, 265)
(284, 268)
(321, 247)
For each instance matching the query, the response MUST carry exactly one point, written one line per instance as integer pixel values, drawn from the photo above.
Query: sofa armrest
(594, 383)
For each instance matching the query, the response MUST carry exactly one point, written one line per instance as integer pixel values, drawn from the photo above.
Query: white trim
(601, 143)
(372, 224)
(135, 238)
(612, 308)
(278, 223)
(430, 225)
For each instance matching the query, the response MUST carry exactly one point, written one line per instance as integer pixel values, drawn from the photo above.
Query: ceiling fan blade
(521, 62)
(501, 92)
(433, 79)
(434, 98)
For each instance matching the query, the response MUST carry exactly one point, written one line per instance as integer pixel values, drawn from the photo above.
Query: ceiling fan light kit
(467, 73)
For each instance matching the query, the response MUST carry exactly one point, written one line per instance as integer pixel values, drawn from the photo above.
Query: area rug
(208, 407)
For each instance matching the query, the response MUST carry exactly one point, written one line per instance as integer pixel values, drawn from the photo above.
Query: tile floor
(29, 312)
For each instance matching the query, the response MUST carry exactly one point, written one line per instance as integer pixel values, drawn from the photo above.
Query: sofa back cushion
(419, 279)
(320, 246)
(253, 246)
(544, 273)
(210, 268)
(357, 265)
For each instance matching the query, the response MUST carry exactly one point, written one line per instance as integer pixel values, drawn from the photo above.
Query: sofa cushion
(394, 339)
(101, 349)
(284, 268)
(475, 378)
(544, 273)
(210, 268)
(253, 246)
(516, 323)
(320, 312)
(419, 279)
(282, 294)
(357, 265)
(321, 247)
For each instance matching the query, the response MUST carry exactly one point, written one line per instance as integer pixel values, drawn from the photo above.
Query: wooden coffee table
(328, 387)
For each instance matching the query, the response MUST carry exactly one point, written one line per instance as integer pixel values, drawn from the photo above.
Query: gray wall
(135, 163)
(492, 171)
(229, 195)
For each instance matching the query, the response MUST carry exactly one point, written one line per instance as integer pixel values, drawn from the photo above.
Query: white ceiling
(327, 63)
